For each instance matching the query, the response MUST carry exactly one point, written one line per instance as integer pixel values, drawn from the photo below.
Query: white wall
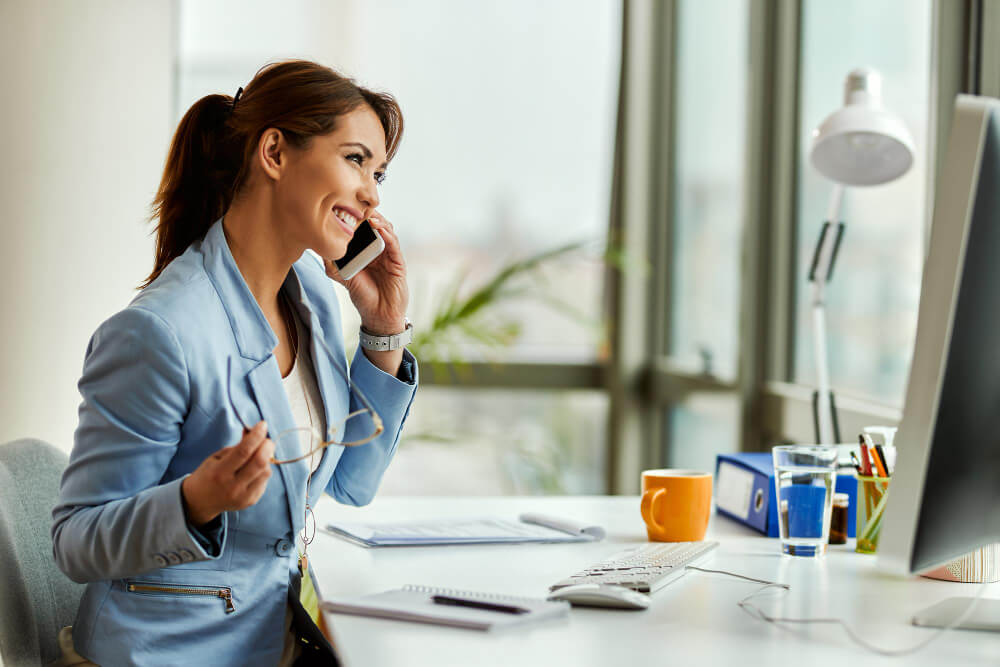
(86, 115)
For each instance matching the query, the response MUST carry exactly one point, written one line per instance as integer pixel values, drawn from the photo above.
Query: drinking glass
(804, 480)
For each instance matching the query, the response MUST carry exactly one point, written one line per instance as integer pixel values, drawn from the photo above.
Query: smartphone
(365, 246)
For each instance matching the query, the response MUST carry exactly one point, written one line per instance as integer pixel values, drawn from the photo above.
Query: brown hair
(214, 143)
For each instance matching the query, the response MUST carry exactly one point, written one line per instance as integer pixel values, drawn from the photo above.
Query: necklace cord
(291, 324)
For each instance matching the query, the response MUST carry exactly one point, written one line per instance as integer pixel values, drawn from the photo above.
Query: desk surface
(693, 621)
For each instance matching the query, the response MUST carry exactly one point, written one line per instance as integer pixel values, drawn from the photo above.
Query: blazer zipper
(224, 593)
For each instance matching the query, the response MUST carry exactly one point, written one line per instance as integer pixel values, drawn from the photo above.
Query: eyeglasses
(299, 431)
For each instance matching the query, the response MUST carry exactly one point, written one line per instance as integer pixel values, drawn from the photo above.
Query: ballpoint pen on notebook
(478, 604)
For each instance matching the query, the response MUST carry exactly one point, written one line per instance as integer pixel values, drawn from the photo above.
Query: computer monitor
(944, 500)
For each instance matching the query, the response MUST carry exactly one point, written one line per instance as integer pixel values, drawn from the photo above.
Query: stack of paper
(530, 528)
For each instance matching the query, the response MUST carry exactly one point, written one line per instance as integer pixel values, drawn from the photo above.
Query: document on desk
(460, 609)
(528, 528)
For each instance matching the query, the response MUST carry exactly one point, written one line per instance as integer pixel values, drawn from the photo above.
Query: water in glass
(804, 478)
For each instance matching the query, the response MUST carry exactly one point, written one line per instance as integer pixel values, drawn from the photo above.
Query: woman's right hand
(233, 478)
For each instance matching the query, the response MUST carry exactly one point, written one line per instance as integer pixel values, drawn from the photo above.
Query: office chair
(36, 598)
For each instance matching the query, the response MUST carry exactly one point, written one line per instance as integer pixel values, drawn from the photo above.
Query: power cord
(756, 612)
(768, 584)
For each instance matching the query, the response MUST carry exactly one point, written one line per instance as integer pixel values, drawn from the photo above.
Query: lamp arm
(828, 244)
(823, 403)
(820, 272)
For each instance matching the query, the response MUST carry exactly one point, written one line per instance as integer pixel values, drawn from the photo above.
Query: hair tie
(236, 98)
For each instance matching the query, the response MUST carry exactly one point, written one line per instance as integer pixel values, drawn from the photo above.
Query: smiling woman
(229, 364)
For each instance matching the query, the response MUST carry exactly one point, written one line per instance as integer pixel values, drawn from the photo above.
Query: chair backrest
(36, 598)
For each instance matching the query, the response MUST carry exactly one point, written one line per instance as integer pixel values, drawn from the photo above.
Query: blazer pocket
(159, 588)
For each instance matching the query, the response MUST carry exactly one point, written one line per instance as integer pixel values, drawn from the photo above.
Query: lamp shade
(862, 143)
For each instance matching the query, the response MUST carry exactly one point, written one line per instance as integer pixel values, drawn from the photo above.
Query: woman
(231, 355)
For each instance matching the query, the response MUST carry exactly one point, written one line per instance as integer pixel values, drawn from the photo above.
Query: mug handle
(649, 500)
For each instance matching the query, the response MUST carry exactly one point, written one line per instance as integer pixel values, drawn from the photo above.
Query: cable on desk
(740, 576)
(760, 614)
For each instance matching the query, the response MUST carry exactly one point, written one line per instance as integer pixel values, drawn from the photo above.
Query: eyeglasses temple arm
(229, 392)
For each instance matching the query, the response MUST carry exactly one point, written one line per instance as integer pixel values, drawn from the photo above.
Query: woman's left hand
(379, 291)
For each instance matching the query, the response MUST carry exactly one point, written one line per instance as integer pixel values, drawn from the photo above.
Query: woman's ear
(272, 153)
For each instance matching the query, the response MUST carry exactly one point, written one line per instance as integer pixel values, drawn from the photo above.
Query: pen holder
(872, 495)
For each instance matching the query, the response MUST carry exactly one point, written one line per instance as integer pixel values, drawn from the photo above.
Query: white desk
(693, 621)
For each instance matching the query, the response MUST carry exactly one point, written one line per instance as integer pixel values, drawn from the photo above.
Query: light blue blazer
(154, 407)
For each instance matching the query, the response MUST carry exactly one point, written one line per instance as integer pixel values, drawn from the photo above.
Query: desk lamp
(860, 144)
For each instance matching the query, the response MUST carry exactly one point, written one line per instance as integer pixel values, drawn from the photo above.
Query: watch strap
(370, 341)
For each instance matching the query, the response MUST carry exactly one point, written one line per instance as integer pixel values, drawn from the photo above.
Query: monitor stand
(986, 615)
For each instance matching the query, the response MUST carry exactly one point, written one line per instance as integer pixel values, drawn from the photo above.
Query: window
(709, 180)
(509, 151)
(873, 297)
(497, 442)
(708, 210)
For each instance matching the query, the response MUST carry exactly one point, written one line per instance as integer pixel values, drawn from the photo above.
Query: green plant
(463, 316)
(464, 313)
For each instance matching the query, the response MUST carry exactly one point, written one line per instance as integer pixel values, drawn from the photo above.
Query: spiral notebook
(416, 603)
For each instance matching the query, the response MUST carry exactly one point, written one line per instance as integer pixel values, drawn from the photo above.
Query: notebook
(415, 603)
(528, 528)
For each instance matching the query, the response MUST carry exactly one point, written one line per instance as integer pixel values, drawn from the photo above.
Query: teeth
(346, 217)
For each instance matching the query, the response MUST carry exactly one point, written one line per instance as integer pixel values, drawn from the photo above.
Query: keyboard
(646, 569)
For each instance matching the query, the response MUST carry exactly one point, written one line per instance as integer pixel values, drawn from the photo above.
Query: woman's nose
(368, 193)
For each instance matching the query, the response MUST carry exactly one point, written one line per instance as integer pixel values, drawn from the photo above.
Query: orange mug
(676, 504)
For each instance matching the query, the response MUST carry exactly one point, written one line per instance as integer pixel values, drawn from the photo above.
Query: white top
(304, 397)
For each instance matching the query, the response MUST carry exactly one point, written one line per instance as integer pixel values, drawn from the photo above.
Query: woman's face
(326, 190)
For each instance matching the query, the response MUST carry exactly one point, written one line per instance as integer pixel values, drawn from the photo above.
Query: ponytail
(216, 139)
(196, 188)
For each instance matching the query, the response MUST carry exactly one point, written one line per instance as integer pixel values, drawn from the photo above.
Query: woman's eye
(379, 177)
(356, 157)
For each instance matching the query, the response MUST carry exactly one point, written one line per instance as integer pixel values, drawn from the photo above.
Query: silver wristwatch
(388, 343)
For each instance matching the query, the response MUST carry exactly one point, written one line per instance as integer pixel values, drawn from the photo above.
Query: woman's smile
(347, 219)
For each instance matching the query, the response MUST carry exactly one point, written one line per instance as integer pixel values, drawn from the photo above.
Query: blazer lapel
(255, 341)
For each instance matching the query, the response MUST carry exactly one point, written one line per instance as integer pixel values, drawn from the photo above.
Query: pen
(477, 604)
(881, 456)
(857, 463)
(866, 467)
(866, 470)
(878, 465)
(877, 469)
